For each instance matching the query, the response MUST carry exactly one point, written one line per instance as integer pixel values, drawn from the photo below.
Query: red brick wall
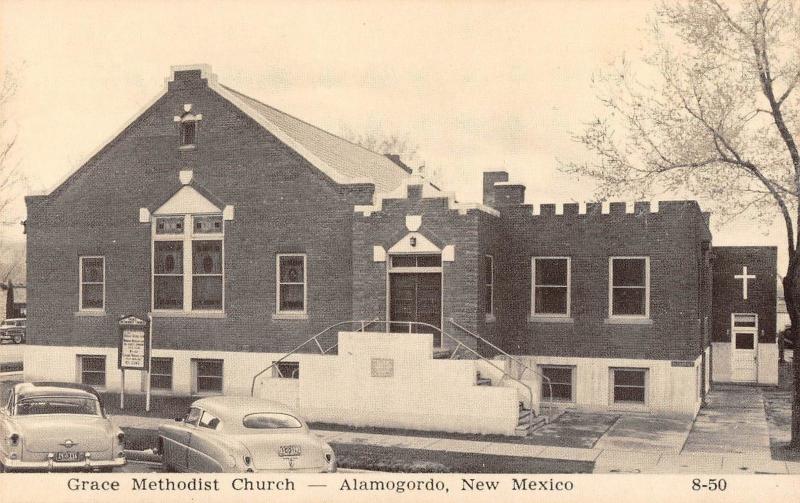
(671, 238)
(282, 204)
(461, 279)
(761, 261)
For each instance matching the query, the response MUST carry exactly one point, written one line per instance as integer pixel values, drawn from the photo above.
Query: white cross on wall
(745, 278)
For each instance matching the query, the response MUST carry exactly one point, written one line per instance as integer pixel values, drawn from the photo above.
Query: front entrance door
(416, 297)
(744, 348)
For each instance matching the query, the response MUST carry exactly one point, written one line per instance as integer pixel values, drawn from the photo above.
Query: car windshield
(58, 405)
(270, 421)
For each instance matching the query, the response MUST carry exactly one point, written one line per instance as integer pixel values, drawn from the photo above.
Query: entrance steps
(527, 420)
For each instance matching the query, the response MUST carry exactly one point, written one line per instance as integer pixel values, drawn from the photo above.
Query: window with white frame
(629, 385)
(92, 283)
(629, 287)
(92, 369)
(291, 283)
(488, 275)
(161, 373)
(207, 376)
(560, 382)
(551, 286)
(188, 263)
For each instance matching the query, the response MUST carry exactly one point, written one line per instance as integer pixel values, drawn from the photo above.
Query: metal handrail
(314, 338)
(388, 324)
(510, 357)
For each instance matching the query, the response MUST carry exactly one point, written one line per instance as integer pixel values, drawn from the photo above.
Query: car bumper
(52, 466)
(330, 468)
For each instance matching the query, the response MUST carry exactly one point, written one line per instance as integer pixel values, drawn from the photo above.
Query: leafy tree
(712, 109)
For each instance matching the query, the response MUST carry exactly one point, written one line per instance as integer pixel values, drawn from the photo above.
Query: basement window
(630, 385)
(161, 373)
(207, 376)
(92, 369)
(561, 380)
(286, 370)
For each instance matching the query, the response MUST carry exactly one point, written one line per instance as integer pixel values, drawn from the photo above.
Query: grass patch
(569, 430)
(393, 459)
(778, 408)
(398, 460)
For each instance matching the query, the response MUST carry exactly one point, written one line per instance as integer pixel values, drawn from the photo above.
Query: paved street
(140, 467)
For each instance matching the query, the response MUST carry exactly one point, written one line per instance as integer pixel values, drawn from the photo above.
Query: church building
(266, 256)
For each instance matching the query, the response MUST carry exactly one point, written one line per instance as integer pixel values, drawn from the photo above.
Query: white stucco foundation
(60, 363)
(670, 390)
(767, 370)
(392, 380)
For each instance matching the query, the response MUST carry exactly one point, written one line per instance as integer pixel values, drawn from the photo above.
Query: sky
(476, 86)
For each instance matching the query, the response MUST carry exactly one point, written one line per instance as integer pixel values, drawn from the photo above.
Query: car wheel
(17, 338)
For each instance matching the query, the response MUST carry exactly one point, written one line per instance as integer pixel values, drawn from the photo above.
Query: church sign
(133, 346)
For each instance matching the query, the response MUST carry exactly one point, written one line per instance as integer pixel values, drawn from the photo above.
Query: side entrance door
(744, 348)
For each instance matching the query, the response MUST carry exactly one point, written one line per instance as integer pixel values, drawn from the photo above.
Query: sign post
(149, 356)
(134, 349)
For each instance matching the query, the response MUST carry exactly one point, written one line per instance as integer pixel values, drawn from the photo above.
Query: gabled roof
(344, 162)
(340, 159)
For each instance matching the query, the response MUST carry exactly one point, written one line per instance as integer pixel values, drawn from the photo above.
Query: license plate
(289, 450)
(68, 456)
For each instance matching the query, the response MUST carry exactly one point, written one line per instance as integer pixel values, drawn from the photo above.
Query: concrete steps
(527, 421)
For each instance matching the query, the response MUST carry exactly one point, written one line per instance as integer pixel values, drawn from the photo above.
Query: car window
(270, 421)
(209, 421)
(192, 416)
(58, 405)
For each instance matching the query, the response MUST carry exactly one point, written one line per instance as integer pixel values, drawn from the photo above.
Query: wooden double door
(415, 297)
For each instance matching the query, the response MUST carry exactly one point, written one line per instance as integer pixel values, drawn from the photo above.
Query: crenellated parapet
(415, 188)
(509, 197)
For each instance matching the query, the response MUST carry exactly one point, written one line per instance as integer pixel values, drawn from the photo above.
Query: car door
(177, 438)
(5, 420)
(206, 453)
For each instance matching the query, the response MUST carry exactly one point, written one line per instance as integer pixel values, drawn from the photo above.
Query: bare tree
(711, 108)
(393, 144)
(12, 262)
(9, 175)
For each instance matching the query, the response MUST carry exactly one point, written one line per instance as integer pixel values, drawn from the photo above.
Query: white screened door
(744, 347)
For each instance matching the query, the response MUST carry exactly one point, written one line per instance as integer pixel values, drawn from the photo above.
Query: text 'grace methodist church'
(270, 257)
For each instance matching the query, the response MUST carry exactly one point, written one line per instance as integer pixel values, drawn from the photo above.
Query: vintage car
(13, 329)
(242, 434)
(57, 426)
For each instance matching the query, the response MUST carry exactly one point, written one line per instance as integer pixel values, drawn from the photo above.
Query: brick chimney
(489, 179)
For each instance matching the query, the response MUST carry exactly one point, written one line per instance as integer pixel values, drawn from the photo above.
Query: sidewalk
(635, 444)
